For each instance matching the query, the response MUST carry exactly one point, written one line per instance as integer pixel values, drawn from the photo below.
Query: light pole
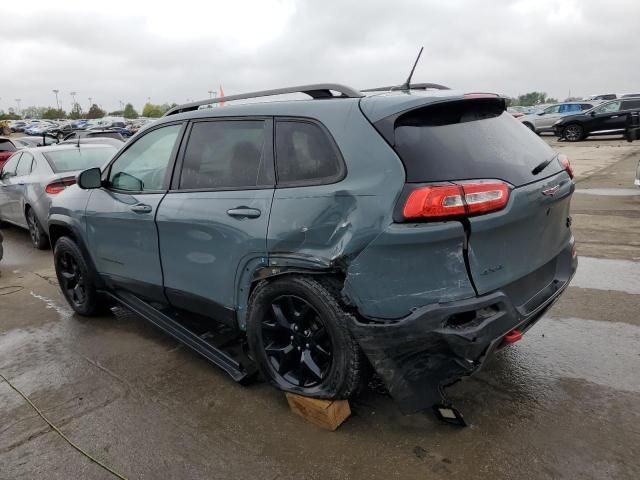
(55, 90)
(18, 100)
(73, 95)
(121, 105)
(90, 102)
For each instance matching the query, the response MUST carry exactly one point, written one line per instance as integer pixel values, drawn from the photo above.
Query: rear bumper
(439, 344)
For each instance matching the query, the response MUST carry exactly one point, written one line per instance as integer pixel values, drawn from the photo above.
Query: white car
(543, 120)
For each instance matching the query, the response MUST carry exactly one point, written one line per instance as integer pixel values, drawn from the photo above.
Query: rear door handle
(141, 208)
(615, 116)
(244, 212)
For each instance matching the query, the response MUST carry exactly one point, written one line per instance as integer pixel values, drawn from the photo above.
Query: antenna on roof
(407, 85)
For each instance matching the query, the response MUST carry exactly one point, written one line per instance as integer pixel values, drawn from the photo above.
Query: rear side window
(571, 107)
(586, 106)
(24, 166)
(631, 104)
(75, 159)
(469, 139)
(228, 154)
(305, 154)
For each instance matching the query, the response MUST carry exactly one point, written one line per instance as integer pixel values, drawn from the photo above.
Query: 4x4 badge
(550, 192)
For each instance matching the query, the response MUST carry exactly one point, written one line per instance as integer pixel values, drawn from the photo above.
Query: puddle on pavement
(600, 352)
(610, 192)
(608, 274)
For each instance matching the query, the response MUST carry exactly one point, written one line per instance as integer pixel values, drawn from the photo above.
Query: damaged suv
(415, 231)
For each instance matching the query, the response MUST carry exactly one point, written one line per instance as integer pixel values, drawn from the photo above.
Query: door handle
(141, 208)
(614, 116)
(244, 212)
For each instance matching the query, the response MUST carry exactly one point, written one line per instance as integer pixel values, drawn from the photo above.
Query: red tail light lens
(469, 198)
(566, 164)
(59, 185)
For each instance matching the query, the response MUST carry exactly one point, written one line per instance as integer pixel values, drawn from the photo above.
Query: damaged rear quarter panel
(325, 226)
(409, 266)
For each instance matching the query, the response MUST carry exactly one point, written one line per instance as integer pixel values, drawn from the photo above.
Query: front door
(121, 215)
(213, 223)
(607, 117)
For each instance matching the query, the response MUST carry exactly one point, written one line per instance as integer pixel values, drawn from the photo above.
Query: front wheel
(76, 279)
(298, 334)
(573, 132)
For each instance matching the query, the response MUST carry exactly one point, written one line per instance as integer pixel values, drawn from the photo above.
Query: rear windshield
(79, 158)
(469, 139)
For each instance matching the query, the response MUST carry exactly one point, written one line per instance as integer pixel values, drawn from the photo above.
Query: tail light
(566, 164)
(59, 185)
(469, 198)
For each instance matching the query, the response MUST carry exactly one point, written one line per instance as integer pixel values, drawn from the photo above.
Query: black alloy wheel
(72, 280)
(573, 132)
(296, 341)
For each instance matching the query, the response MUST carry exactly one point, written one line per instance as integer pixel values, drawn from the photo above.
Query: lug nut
(295, 327)
(306, 346)
(291, 337)
(306, 332)
(299, 348)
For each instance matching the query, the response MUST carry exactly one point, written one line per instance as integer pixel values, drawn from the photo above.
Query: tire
(36, 232)
(77, 279)
(530, 127)
(291, 346)
(60, 136)
(573, 132)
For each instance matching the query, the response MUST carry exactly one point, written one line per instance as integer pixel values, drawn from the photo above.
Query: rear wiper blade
(542, 166)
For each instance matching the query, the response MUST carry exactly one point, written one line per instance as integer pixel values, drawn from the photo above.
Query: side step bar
(239, 372)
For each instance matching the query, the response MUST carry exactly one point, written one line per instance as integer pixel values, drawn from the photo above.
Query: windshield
(79, 158)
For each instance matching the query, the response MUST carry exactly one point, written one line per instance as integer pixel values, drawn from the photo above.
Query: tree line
(149, 110)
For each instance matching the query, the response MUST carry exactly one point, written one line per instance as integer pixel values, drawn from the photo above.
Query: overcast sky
(134, 49)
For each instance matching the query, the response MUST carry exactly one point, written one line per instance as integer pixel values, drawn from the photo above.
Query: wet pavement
(562, 403)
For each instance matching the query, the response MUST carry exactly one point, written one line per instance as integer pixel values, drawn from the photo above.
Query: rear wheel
(573, 132)
(76, 278)
(298, 334)
(36, 232)
(530, 127)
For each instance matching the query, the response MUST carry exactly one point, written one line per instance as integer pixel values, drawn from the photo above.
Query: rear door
(121, 215)
(475, 140)
(213, 222)
(19, 186)
(607, 117)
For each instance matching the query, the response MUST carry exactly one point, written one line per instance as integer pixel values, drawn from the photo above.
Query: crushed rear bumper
(419, 355)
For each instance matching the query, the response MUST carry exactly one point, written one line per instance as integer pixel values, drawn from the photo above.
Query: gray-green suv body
(415, 231)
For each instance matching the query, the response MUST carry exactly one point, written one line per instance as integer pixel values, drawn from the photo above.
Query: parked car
(543, 121)
(608, 118)
(421, 230)
(18, 126)
(603, 96)
(1, 247)
(94, 140)
(30, 142)
(33, 176)
(59, 131)
(7, 148)
(39, 128)
(94, 134)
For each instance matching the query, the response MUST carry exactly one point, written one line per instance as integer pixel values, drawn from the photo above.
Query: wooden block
(327, 414)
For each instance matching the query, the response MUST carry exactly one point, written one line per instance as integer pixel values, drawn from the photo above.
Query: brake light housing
(456, 200)
(59, 185)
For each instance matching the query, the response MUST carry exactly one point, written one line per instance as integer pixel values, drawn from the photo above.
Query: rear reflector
(566, 164)
(513, 336)
(468, 198)
(59, 185)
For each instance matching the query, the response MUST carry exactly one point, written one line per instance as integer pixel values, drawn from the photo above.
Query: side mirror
(91, 178)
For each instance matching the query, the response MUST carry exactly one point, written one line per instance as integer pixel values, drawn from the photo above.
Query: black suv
(609, 118)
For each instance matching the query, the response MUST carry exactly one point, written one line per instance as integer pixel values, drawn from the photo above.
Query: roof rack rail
(413, 86)
(316, 91)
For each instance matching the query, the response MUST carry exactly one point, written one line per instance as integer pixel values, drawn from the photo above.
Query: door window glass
(227, 154)
(552, 109)
(631, 104)
(143, 166)
(24, 166)
(9, 169)
(609, 107)
(304, 153)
